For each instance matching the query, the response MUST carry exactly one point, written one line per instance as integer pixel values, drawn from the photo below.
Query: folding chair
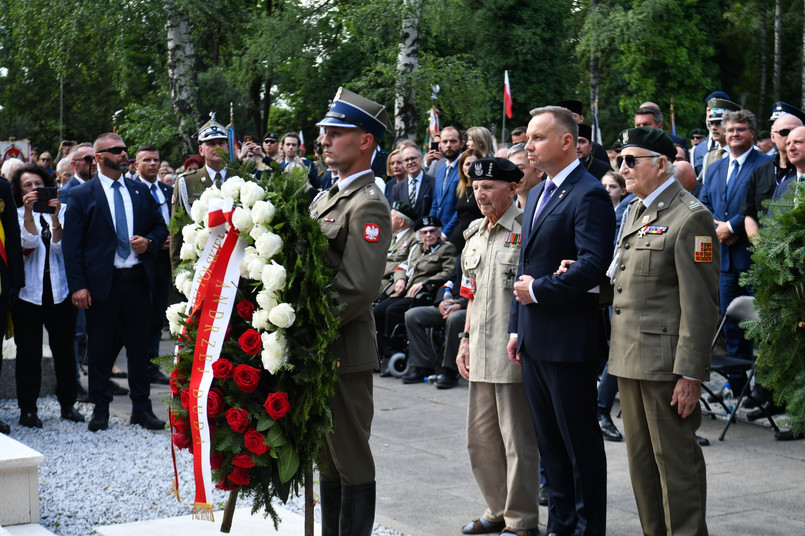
(741, 308)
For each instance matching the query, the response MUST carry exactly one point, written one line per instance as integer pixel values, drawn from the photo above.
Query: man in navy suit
(417, 190)
(115, 232)
(557, 334)
(444, 192)
(723, 194)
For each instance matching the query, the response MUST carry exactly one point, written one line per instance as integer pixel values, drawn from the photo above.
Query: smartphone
(247, 139)
(43, 196)
(434, 146)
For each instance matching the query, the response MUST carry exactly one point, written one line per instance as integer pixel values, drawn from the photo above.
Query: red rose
(245, 309)
(182, 440)
(216, 460)
(247, 377)
(215, 403)
(179, 423)
(243, 460)
(277, 405)
(238, 419)
(184, 396)
(177, 381)
(225, 485)
(222, 368)
(239, 476)
(250, 342)
(255, 441)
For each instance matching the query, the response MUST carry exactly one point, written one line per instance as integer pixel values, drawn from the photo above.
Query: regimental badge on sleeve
(703, 251)
(371, 232)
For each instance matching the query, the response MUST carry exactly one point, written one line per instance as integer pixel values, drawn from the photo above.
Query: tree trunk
(182, 71)
(405, 112)
(778, 31)
(761, 105)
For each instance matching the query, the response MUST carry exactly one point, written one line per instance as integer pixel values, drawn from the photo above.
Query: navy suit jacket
(90, 241)
(577, 223)
(444, 199)
(424, 196)
(64, 191)
(714, 196)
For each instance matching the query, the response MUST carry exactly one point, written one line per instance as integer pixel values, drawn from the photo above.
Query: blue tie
(121, 227)
(154, 193)
(733, 180)
(550, 186)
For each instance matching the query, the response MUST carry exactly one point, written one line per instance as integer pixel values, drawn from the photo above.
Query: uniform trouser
(503, 453)
(420, 351)
(347, 457)
(59, 320)
(665, 462)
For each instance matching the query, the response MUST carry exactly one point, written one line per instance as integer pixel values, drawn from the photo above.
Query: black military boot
(358, 510)
(330, 493)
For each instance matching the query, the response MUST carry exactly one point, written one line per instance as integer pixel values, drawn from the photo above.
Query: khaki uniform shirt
(665, 307)
(357, 222)
(489, 264)
(432, 265)
(399, 249)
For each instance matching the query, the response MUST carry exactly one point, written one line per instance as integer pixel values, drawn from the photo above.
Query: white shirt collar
(344, 182)
(562, 175)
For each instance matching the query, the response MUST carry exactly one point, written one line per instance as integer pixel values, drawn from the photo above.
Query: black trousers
(59, 320)
(125, 313)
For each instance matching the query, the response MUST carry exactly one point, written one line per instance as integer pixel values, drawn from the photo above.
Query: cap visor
(333, 122)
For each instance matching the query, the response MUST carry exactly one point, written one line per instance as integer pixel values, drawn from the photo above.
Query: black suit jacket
(424, 198)
(595, 167)
(90, 241)
(379, 163)
(12, 273)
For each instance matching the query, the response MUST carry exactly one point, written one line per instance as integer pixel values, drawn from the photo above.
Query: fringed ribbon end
(203, 511)
(175, 488)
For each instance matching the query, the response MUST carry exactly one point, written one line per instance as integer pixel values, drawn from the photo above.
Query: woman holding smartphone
(43, 302)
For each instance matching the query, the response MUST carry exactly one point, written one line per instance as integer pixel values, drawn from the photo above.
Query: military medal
(512, 240)
(651, 229)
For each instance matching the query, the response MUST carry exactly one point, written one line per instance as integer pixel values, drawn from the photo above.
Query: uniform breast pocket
(658, 339)
(333, 231)
(507, 265)
(649, 256)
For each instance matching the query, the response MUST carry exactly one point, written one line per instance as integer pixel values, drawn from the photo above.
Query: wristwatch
(463, 335)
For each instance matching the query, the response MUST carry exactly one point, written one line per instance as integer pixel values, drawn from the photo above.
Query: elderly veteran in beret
(354, 214)
(665, 272)
(403, 238)
(500, 433)
(428, 265)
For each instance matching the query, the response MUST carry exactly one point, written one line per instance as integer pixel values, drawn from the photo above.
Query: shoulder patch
(371, 232)
(703, 249)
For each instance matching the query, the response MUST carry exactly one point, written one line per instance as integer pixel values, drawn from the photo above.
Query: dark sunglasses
(86, 159)
(630, 159)
(783, 131)
(269, 141)
(114, 150)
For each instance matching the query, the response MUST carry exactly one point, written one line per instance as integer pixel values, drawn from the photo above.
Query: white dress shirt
(34, 262)
(106, 183)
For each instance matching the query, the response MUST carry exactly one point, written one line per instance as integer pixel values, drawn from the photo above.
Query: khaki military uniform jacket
(432, 265)
(665, 308)
(399, 249)
(489, 266)
(357, 222)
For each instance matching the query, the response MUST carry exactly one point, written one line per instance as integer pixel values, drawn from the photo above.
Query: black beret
(699, 131)
(586, 132)
(763, 135)
(428, 221)
(271, 136)
(571, 104)
(649, 138)
(494, 168)
(405, 209)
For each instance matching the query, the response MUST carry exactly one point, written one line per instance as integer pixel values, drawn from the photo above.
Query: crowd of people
(558, 272)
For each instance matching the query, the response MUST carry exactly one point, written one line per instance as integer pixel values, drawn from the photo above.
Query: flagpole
(503, 130)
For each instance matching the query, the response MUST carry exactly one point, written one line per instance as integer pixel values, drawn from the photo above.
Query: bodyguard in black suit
(557, 322)
(113, 232)
(412, 160)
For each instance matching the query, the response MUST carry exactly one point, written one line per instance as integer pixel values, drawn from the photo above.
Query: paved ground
(425, 484)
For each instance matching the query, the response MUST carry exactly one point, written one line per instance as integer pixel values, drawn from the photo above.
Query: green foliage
(777, 276)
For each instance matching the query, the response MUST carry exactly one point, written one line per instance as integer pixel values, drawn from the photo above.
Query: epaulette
(472, 228)
(690, 201)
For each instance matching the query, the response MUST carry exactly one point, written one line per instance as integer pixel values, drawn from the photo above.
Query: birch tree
(405, 108)
(182, 70)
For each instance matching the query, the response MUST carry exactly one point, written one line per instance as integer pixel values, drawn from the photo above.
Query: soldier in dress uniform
(354, 215)
(500, 433)
(189, 186)
(665, 310)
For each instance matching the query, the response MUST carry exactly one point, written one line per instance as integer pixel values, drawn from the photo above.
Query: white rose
(263, 212)
(260, 320)
(256, 265)
(202, 237)
(274, 354)
(268, 245)
(242, 219)
(231, 187)
(188, 252)
(174, 317)
(258, 230)
(189, 232)
(250, 193)
(181, 281)
(199, 210)
(267, 300)
(209, 193)
(282, 315)
(273, 276)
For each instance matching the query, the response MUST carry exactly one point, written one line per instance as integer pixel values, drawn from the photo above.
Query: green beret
(405, 209)
(649, 138)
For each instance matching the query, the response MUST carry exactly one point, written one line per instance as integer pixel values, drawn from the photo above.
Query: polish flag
(507, 94)
(302, 143)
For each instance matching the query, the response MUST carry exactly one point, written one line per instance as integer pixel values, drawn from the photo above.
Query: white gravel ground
(118, 475)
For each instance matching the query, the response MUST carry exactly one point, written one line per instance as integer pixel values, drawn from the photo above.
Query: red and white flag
(507, 94)
(302, 143)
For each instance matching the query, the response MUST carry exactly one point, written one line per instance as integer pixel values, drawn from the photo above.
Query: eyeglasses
(86, 159)
(783, 131)
(411, 159)
(698, 137)
(113, 150)
(737, 130)
(630, 159)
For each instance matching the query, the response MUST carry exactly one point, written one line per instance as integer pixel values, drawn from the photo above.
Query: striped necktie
(412, 191)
